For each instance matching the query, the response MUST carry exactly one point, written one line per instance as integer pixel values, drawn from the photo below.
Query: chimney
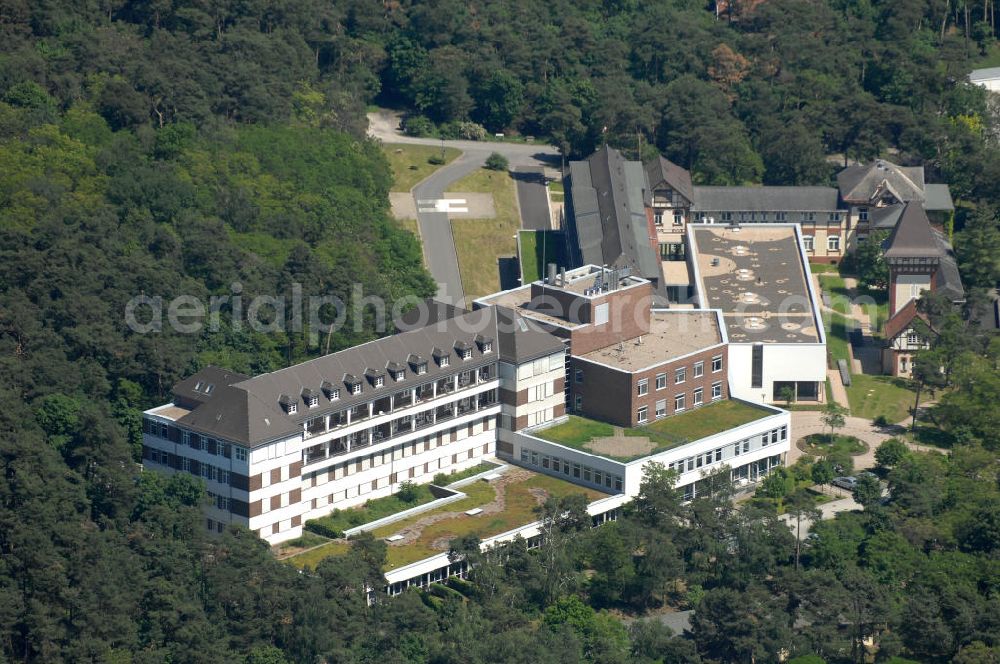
(552, 274)
(562, 277)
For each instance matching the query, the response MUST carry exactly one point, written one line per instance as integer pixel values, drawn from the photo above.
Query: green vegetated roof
(520, 498)
(667, 433)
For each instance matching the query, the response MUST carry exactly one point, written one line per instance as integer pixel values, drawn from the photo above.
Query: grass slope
(538, 248)
(481, 242)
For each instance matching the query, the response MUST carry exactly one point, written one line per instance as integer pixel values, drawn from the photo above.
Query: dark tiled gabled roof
(886, 217)
(677, 177)
(427, 312)
(185, 393)
(607, 198)
(240, 417)
(522, 339)
(913, 236)
(861, 182)
(765, 199)
(249, 412)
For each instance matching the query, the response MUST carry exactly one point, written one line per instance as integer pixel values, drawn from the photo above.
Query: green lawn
(840, 296)
(838, 330)
(410, 163)
(538, 248)
(373, 510)
(871, 396)
(450, 478)
(820, 268)
(667, 433)
(576, 431)
(481, 242)
(707, 420)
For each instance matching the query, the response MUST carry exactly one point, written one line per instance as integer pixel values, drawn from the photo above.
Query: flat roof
(169, 411)
(518, 300)
(583, 280)
(588, 282)
(629, 444)
(676, 273)
(754, 273)
(506, 503)
(984, 74)
(672, 334)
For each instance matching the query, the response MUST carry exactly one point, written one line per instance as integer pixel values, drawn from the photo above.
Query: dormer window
(310, 398)
(485, 343)
(332, 393)
(417, 363)
(464, 350)
(376, 377)
(353, 384)
(396, 371)
(288, 404)
(442, 357)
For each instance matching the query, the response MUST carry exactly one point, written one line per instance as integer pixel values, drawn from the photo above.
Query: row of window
(394, 478)
(221, 502)
(692, 463)
(680, 375)
(193, 440)
(200, 468)
(715, 456)
(355, 386)
(391, 454)
(680, 402)
(572, 469)
(832, 242)
(832, 216)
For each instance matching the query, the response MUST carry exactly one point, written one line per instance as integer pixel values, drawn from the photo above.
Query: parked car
(848, 482)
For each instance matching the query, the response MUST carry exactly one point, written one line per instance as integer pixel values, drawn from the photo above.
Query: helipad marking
(445, 205)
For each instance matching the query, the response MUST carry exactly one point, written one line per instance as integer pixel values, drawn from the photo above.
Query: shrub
(440, 479)
(418, 125)
(881, 422)
(408, 492)
(436, 159)
(321, 528)
(471, 131)
(497, 162)
(450, 130)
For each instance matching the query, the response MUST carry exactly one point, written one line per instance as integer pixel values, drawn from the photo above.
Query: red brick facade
(612, 395)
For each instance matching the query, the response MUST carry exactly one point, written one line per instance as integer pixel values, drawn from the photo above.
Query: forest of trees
(177, 147)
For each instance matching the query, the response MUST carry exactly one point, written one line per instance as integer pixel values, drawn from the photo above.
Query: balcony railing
(399, 427)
